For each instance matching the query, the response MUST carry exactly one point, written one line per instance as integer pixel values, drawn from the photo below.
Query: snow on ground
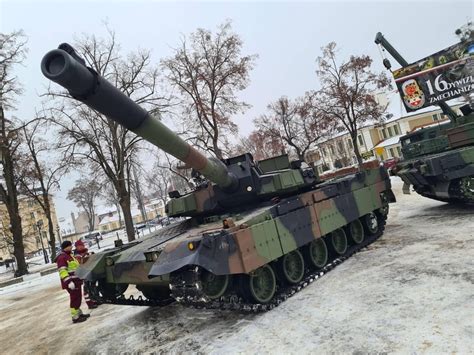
(36, 263)
(410, 292)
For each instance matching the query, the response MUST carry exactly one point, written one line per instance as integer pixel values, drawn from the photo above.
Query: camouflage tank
(255, 232)
(438, 160)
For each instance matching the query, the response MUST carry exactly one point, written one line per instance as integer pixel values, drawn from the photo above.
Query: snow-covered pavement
(410, 292)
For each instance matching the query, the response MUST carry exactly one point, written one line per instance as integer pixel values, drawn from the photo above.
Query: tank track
(165, 234)
(95, 295)
(457, 194)
(187, 291)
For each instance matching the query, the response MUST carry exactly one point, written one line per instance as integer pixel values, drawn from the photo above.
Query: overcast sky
(287, 36)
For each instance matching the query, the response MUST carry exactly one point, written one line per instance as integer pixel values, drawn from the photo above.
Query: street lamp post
(38, 225)
(59, 234)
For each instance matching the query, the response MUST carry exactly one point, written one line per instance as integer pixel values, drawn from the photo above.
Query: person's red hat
(78, 242)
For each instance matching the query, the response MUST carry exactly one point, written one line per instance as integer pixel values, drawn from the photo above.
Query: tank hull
(442, 176)
(238, 245)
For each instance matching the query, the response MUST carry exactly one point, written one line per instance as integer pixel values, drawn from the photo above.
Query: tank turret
(239, 181)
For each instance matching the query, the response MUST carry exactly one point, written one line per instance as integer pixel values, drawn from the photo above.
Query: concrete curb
(20, 279)
(11, 282)
(48, 271)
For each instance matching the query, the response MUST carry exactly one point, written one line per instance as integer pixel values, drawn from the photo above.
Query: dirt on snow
(412, 291)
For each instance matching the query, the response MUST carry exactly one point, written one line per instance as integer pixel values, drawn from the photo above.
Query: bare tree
(180, 175)
(465, 32)
(159, 181)
(12, 52)
(84, 194)
(109, 195)
(92, 137)
(348, 92)
(208, 71)
(262, 144)
(39, 175)
(297, 123)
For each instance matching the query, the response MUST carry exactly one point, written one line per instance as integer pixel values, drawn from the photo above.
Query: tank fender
(213, 252)
(389, 196)
(93, 269)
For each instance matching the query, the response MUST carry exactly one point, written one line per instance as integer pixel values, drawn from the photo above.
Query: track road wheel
(111, 291)
(384, 209)
(339, 241)
(356, 232)
(260, 285)
(316, 253)
(291, 267)
(466, 188)
(370, 223)
(213, 286)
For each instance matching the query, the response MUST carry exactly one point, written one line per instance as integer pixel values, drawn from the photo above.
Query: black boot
(79, 319)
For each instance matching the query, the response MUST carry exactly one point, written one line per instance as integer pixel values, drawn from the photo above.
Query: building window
(384, 133)
(392, 153)
(397, 131)
(349, 144)
(399, 151)
(390, 132)
(30, 203)
(340, 146)
(331, 148)
(435, 117)
(32, 215)
(361, 141)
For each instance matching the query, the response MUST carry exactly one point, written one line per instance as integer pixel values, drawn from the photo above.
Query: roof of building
(390, 141)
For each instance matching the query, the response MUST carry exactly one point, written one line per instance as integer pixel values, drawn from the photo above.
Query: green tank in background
(438, 160)
(255, 232)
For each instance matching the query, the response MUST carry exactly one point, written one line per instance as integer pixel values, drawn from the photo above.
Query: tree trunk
(52, 238)
(125, 204)
(91, 222)
(14, 215)
(10, 198)
(357, 153)
(18, 247)
(215, 146)
(117, 206)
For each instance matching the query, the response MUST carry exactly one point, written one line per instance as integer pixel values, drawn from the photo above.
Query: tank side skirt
(190, 295)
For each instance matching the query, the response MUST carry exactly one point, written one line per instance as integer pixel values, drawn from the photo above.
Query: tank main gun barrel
(66, 68)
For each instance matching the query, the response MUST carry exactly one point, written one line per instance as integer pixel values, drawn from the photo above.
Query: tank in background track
(439, 161)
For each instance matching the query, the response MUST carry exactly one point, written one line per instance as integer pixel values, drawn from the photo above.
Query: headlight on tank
(109, 261)
(193, 245)
(152, 256)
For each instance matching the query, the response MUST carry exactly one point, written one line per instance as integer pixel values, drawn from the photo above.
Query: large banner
(441, 76)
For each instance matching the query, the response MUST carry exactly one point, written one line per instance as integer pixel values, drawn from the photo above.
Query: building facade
(34, 225)
(81, 222)
(377, 141)
(111, 220)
